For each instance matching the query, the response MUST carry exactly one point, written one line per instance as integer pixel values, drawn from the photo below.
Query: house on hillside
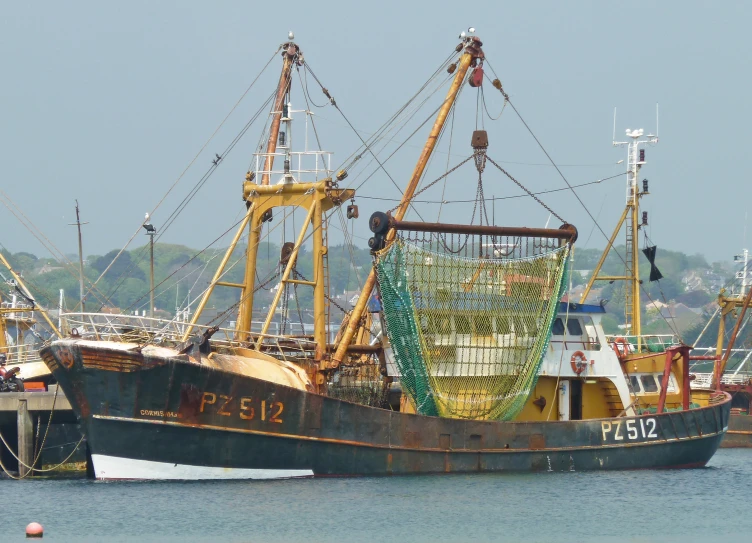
(47, 268)
(655, 306)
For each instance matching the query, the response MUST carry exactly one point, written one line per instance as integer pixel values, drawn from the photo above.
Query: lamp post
(150, 231)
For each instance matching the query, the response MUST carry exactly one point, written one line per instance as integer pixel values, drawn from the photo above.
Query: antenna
(656, 121)
(613, 139)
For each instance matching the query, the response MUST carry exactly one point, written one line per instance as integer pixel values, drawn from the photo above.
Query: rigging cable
(204, 250)
(334, 103)
(561, 174)
(186, 200)
(494, 198)
(47, 244)
(190, 164)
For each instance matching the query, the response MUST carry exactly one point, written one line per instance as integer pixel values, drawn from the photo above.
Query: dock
(22, 414)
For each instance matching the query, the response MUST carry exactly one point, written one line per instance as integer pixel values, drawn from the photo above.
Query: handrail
(705, 380)
(165, 332)
(21, 353)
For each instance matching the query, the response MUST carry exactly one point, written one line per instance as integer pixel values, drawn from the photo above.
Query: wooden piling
(25, 437)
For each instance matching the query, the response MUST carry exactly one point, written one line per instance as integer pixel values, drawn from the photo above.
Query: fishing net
(469, 331)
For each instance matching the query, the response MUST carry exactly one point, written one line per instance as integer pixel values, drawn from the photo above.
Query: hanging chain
(300, 276)
(533, 196)
(432, 183)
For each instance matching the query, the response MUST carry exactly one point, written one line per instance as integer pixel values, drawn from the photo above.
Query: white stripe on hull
(115, 467)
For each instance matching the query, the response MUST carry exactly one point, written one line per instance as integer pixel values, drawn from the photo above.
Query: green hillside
(689, 287)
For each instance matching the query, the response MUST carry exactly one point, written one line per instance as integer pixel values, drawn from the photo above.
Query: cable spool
(379, 225)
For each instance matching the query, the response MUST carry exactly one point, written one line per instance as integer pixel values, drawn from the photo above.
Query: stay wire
(187, 199)
(313, 123)
(389, 122)
(367, 147)
(494, 198)
(47, 244)
(190, 164)
(449, 154)
(561, 174)
(523, 187)
(199, 253)
(390, 127)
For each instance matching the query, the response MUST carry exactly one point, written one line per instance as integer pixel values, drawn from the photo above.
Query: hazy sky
(108, 102)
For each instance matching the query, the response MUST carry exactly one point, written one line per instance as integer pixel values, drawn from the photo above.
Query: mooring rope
(39, 453)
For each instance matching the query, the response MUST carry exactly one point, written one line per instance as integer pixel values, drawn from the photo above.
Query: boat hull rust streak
(169, 410)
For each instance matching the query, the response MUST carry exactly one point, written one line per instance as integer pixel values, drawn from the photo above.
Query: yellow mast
(728, 305)
(472, 52)
(290, 55)
(20, 282)
(315, 198)
(3, 341)
(630, 218)
(253, 218)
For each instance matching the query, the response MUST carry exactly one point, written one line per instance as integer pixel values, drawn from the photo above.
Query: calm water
(691, 505)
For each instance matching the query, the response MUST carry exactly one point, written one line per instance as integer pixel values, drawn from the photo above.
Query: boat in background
(17, 323)
(730, 366)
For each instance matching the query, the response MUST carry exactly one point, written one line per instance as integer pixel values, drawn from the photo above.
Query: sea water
(638, 506)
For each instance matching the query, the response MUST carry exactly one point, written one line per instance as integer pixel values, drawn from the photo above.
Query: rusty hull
(165, 408)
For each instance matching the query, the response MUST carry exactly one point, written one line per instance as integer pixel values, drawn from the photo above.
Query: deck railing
(20, 354)
(649, 342)
(169, 333)
(705, 380)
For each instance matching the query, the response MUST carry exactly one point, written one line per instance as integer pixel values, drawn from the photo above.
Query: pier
(24, 415)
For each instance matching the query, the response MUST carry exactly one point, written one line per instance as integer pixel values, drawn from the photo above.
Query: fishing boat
(725, 366)
(19, 339)
(457, 356)
(654, 364)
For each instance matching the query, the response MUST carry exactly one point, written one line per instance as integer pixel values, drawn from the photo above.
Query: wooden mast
(472, 52)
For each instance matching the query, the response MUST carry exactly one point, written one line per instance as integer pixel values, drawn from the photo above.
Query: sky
(108, 103)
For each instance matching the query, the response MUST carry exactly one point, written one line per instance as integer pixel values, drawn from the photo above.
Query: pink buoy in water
(34, 530)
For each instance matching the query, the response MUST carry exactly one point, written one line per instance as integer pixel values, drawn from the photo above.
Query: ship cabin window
(462, 324)
(439, 324)
(525, 326)
(634, 384)
(532, 326)
(558, 328)
(502, 325)
(574, 327)
(483, 325)
(648, 383)
(671, 382)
